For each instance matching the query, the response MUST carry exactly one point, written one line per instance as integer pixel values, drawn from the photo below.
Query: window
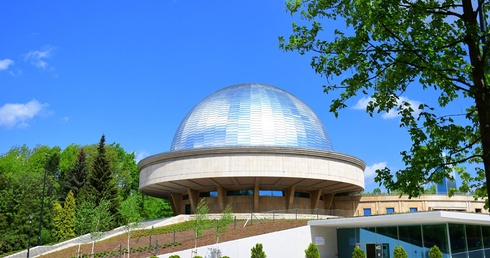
(367, 211)
(390, 210)
(413, 209)
(185, 197)
(240, 193)
(271, 193)
(301, 195)
(478, 210)
(208, 194)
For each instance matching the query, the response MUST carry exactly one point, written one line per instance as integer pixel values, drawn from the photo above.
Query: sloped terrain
(173, 238)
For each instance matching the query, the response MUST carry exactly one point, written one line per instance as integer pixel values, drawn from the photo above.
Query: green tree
(83, 217)
(58, 225)
(388, 48)
(258, 252)
(76, 176)
(153, 208)
(93, 219)
(434, 252)
(201, 215)
(130, 214)
(312, 251)
(358, 253)
(101, 182)
(69, 209)
(399, 252)
(223, 222)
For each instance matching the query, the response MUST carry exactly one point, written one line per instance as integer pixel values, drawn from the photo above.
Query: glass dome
(251, 115)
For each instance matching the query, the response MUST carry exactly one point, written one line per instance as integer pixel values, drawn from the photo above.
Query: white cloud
(12, 115)
(370, 171)
(393, 113)
(38, 57)
(141, 156)
(5, 63)
(362, 103)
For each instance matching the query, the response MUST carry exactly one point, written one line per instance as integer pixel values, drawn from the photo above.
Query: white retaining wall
(280, 244)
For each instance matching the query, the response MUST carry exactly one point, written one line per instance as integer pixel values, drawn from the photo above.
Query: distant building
(443, 188)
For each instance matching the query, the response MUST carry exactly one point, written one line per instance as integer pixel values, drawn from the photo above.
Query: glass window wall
(454, 240)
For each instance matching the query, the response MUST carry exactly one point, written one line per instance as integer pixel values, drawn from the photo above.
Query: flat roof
(431, 217)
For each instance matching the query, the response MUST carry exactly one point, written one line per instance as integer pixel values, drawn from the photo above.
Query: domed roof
(251, 115)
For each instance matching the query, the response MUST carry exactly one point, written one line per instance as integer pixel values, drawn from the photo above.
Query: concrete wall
(286, 243)
(429, 202)
(326, 240)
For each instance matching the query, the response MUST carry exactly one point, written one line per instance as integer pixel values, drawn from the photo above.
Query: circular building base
(251, 179)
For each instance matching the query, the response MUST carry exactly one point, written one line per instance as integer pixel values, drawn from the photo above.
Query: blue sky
(71, 71)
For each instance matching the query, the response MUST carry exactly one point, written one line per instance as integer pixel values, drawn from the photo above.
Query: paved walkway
(40, 250)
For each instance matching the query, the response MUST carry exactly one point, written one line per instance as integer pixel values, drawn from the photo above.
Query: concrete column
(315, 198)
(290, 197)
(327, 201)
(193, 199)
(256, 195)
(176, 202)
(221, 197)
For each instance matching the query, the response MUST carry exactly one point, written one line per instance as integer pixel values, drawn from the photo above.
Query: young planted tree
(258, 252)
(201, 215)
(399, 252)
(100, 220)
(312, 251)
(358, 253)
(434, 252)
(223, 222)
(384, 50)
(129, 211)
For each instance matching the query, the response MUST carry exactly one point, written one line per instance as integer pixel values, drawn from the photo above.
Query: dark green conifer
(77, 176)
(101, 182)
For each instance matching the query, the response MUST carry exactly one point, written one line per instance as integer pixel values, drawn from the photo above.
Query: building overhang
(239, 167)
(405, 219)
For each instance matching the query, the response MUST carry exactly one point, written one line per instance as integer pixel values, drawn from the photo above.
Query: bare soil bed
(185, 239)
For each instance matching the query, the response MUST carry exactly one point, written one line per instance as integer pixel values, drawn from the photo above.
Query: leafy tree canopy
(390, 47)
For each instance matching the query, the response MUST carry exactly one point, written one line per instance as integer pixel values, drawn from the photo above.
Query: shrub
(399, 252)
(197, 256)
(257, 251)
(358, 253)
(225, 256)
(312, 251)
(174, 256)
(434, 252)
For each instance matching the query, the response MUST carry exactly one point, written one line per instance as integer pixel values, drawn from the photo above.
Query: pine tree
(102, 185)
(258, 252)
(58, 225)
(76, 177)
(69, 209)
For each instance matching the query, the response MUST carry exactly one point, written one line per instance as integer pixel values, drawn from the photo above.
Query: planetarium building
(255, 147)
